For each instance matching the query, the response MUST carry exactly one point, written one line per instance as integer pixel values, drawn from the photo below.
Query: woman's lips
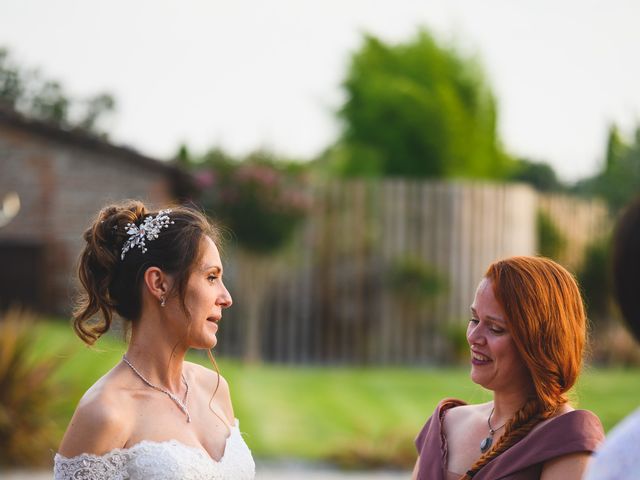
(478, 358)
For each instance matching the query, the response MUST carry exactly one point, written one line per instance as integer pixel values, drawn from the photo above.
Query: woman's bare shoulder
(207, 377)
(102, 420)
(211, 381)
(462, 415)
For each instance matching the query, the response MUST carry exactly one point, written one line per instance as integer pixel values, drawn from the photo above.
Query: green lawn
(354, 416)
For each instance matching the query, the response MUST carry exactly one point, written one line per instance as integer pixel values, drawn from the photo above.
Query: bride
(154, 415)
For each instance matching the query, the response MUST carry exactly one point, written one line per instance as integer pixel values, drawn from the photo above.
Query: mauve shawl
(572, 432)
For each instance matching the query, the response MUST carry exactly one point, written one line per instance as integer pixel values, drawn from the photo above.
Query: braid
(531, 414)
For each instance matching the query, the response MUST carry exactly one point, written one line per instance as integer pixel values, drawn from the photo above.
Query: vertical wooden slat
(325, 307)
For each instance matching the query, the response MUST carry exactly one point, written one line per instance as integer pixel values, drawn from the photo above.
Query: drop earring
(162, 301)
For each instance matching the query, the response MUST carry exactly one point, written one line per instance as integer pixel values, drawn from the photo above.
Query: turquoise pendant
(486, 444)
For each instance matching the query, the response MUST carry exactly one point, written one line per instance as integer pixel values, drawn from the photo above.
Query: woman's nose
(475, 335)
(225, 299)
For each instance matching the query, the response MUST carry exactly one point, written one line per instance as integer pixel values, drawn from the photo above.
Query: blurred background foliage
(619, 178)
(417, 109)
(29, 92)
(28, 394)
(551, 240)
(260, 199)
(416, 281)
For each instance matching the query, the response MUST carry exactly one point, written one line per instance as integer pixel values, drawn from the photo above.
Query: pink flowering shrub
(260, 203)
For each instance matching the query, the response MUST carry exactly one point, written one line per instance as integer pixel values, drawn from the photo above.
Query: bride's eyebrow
(215, 268)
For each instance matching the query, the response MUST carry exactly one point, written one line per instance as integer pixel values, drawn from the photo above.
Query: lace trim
(149, 459)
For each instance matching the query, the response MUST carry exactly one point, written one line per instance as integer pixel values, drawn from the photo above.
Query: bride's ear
(157, 283)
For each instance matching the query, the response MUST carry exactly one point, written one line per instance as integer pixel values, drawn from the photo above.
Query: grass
(354, 416)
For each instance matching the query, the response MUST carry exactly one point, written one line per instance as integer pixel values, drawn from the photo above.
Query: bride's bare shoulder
(102, 420)
(210, 382)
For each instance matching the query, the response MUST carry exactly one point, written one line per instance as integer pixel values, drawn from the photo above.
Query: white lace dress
(170, 460)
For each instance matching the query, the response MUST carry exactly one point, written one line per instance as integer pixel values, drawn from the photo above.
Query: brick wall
(62, 185)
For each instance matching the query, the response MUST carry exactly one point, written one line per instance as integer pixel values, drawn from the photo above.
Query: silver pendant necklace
(488, 440)
(181, 405)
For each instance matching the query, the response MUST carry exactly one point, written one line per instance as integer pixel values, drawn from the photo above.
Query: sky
(249, 74)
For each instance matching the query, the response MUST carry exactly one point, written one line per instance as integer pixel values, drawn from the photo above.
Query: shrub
(551, 241)
(415, 280)
(27, 431)
(456, 335)
(260, 203)
(595, 280)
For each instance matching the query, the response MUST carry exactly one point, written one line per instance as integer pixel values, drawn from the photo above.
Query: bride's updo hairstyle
(112, 281)
(547, 323)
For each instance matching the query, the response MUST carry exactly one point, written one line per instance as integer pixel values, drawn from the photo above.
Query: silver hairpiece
(149, 229)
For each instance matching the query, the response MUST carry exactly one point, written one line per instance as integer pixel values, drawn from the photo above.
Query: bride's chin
(206, 343)
(212, 342)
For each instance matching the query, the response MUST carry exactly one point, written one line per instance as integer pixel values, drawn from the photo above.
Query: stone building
(62, 178)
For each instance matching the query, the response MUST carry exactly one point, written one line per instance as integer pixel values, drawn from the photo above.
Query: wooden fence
(326, 299)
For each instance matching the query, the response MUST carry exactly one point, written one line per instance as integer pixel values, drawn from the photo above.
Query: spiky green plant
(27, 431)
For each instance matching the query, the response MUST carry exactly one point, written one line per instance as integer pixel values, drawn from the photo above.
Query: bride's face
(205, 297)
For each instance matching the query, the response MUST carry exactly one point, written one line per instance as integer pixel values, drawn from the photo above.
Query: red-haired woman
(527, 334)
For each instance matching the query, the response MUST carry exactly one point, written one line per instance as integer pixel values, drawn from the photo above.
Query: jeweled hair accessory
(149, 229)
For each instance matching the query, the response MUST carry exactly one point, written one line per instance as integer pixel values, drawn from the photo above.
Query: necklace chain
(181, 405)
(488, 440)
(491, 429)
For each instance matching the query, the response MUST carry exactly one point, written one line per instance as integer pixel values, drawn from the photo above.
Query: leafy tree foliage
(417, 109)
(27, 92)
(539, 175)
(619, 180)
(261, 198)
(551, 241)
(595, 279)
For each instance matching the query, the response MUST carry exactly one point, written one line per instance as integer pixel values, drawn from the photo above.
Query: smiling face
(206, 297)
(495, 361)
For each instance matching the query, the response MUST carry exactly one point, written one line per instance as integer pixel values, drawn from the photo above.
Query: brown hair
(111, 284)
(547, 322)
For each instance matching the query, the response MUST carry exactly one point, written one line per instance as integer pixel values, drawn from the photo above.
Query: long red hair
(547, 322)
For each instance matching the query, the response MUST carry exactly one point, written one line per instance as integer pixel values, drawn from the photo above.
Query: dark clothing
(572, 432)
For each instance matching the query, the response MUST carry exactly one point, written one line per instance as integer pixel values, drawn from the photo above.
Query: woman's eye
(474, 321)
(211, 278)
(496, 330)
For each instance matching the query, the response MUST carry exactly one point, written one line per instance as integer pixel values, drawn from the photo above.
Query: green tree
(417, 109)
(27, 92)
(619, 180)
(539, 175)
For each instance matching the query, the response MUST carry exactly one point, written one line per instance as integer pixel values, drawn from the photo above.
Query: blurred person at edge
(153, 415)
(527, 334)
(618, 456)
